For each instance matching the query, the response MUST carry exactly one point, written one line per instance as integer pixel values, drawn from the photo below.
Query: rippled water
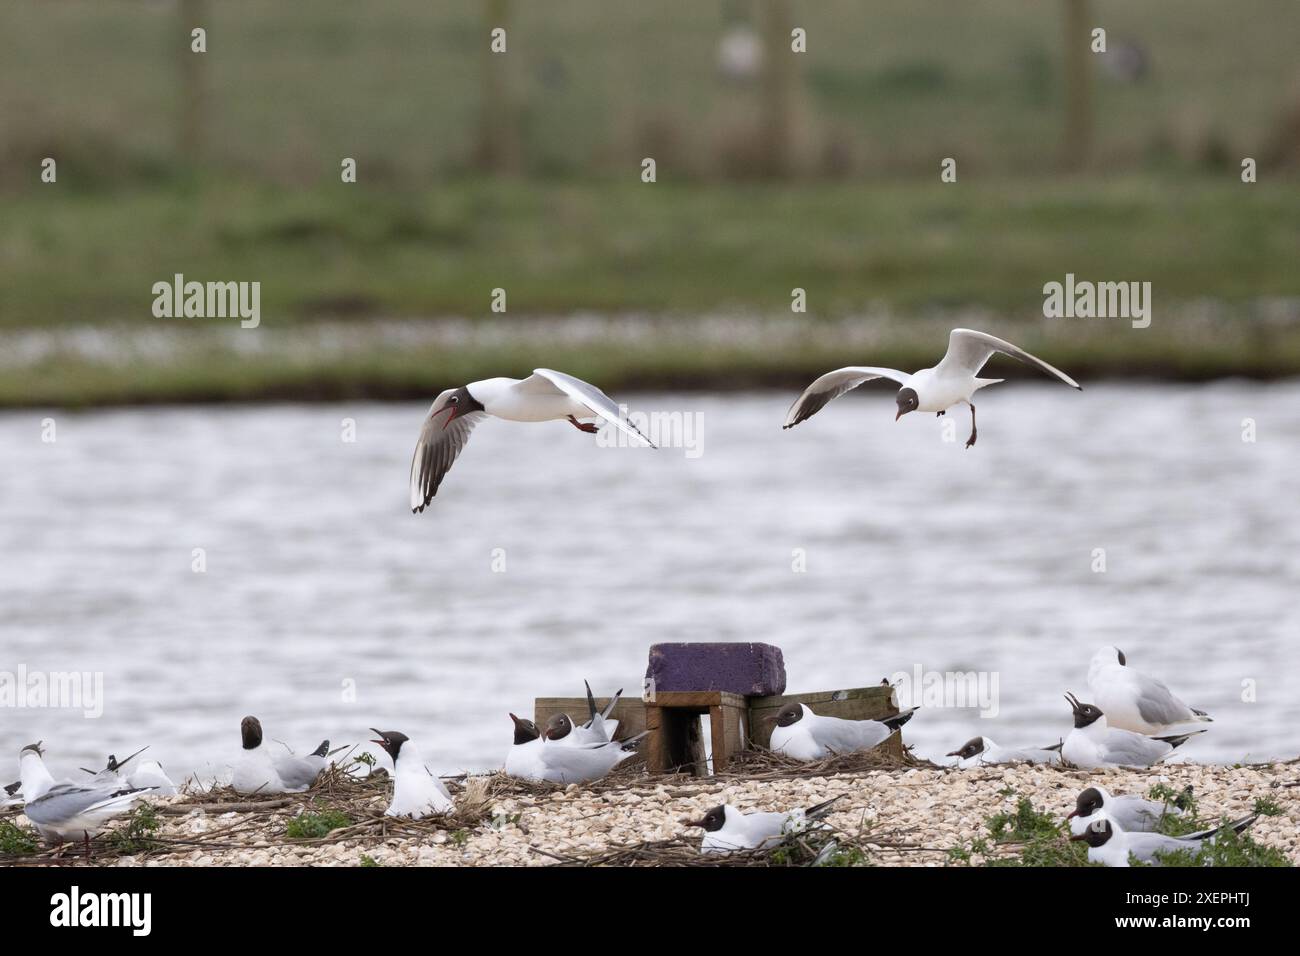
(918, 553)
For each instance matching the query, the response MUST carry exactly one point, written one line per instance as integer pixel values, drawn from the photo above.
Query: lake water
(326, 607)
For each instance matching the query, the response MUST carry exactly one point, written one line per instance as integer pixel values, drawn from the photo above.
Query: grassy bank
(886, 268)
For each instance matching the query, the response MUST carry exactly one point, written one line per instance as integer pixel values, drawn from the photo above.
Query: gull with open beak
(544, 396)
(417, 792)
(1093, 743)
(952, 382)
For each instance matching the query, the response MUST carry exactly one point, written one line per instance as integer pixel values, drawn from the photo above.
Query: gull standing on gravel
(1111, 846)
(417, 792)
(727, 829)
(952, 382)
(803, 735)
(1133, 701)
(544, 396)
(1131, 813)
(257, 771)
(979, 751)
(1093, 743)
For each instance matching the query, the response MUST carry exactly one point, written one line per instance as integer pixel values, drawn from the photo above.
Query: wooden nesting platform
(676, 741)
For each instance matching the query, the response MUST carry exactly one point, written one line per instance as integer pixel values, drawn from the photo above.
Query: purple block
(754, 670)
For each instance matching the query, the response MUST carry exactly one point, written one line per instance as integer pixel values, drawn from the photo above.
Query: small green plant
(16, 840)
(458, 837)
(1267, 807)
(368, 860)
(313, 826)
(1043, 842)
(136, 836)
(1226, 848)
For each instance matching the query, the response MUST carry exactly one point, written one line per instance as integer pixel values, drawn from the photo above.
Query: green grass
(16, 840)
(313, 826)
(136, 835)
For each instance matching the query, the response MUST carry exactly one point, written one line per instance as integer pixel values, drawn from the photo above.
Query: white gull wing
(968, 350)
(1157, 704)
(582, 763)
(834, 384)
(68, 809)
(436, 449)
(586, 393)
(1133, 750)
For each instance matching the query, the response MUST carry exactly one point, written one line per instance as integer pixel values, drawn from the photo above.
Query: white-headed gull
(1110, 845)
(416, 791)
(727, 829)
(1133, 701)
(544, 396)
(952, 382)
(803, 735)
(1093, 743)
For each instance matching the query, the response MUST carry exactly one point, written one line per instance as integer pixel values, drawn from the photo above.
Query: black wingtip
(322, 750)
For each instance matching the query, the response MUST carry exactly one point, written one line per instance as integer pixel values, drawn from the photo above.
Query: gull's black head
(791, 713)
(1089, 802)
(251, 730)
(1123, 661)
(455, 402)
(525, 730)
(907, 401)
(1097, 833)
(558, 727)
(969, 749)
(391, 741)
(713, 821)
(1084, 714)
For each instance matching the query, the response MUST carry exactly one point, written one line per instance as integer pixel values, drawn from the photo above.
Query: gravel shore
(917, 815)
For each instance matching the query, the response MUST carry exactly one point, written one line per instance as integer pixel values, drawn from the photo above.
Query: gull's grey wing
(1145, 846)
(435, 451)
(586, 393)
(1136, 814)
(834, 384)
(65, 802)
(968, 350)
(298, 773)
(1134, 750)
(846, 736)
(1157, 704)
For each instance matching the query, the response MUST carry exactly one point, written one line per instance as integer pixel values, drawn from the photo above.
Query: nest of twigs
(763, 764)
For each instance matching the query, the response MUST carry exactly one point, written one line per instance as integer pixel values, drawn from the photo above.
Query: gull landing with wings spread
(952, 382)
(544, 396)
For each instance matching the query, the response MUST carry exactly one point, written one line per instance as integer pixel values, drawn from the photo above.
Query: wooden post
(193, 96)
(1076, 145)
(778, 89)
(498, 135)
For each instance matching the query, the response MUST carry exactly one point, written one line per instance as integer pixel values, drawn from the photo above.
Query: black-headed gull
(580, 763)
(544, 396)
(523, 759)
(258, 771)
(1132, 813)
(1093, 743)
(952, 382)
(597, 730)
(1110, 845)
(727, 829)
(1133, 701)
(417, 792)
(803, 735)
(979, 751)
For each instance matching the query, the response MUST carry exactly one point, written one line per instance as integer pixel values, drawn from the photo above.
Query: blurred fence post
(779, 88)
(1077, 142)
(193, 98)
(498, 135)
